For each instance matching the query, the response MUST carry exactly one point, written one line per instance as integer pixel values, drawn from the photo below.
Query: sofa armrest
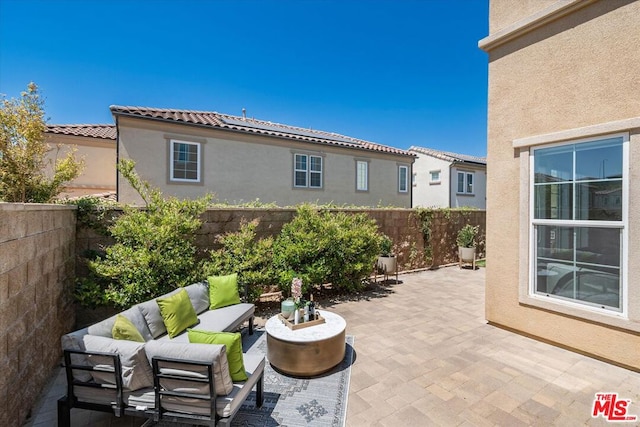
(114, 370)
(175, 381)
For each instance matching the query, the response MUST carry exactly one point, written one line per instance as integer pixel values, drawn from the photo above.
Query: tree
(23, 150)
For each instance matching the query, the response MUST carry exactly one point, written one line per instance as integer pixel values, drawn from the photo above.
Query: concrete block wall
(37, 270)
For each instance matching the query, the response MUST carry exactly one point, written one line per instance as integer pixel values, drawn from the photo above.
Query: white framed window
(184, 161)
(403, 179)
(465, 182)
(578, 236)
(307, 171)
(434, 177)
(362, 175)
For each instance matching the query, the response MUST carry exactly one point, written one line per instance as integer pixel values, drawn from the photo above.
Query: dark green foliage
(324, 247)
(241, 253)
(154, 250)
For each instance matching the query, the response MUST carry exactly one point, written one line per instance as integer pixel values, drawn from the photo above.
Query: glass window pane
(600, 201)
(300, 179)
(553, 164)
(316, 163)
(579, 263)
(599, 160)
(469, 183)
(460, 182)
(301, 162)
(596, 245)
(316, 180)
(553, 201)
(361, 178)
(402, 184)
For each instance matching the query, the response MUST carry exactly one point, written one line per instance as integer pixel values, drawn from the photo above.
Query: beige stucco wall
(99, 157)
(241, 168)
(579, 70)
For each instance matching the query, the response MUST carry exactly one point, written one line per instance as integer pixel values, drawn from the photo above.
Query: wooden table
(308, 351)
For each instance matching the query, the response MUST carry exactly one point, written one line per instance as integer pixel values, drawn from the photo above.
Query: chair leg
(251, 325)
(259, 391)
(64, 412)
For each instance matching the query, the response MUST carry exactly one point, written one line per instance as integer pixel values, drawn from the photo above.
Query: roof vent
(244, 114)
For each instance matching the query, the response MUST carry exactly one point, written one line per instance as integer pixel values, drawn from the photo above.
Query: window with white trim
(362, 175)
(184, 162)
(577, 233)
(403, 179)
(434, 177)
(465, 182)
(307, 171)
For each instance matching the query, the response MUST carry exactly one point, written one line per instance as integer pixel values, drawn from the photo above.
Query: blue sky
(400, 73)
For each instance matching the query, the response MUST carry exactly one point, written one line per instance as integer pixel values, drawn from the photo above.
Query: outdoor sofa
(165, 374)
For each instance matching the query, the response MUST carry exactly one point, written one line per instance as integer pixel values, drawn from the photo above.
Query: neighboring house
(563, 223)
(448, 180)
(96, 146)
(191, 153)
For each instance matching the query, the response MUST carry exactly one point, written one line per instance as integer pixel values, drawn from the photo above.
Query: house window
(434, 177)
(184, 161)
(362, 175)
(307, 171)
(577, 235)
(465, 182)
(403, 179)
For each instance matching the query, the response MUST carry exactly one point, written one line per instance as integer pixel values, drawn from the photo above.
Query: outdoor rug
(288, 401)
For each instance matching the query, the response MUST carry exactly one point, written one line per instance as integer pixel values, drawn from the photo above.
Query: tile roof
(451, 157)
(93, 131)
(249, 125)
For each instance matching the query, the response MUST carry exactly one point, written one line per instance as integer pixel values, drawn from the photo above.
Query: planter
(387, 264)
(467, 255)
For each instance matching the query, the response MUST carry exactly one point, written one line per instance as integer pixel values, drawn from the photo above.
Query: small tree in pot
(467, 243)
(387, 260)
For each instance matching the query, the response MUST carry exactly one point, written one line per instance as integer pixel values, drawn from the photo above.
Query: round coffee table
(308, 351)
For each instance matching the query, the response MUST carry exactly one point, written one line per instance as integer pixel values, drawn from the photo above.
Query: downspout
(117, 160)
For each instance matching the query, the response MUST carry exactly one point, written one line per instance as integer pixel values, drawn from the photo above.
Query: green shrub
(241, 253)
(154, 250)
(323, 247)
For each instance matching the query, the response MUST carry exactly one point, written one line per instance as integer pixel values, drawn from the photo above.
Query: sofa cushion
(226, 319)
(233, 344)
(74, 341)
(223, 291)
(105, 327)
(124, 329)
(195, 352)
(177, 312)
(199, 296)
(136, 370)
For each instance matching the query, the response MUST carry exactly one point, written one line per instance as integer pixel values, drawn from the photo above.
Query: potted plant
(467, 243)
(387, 259)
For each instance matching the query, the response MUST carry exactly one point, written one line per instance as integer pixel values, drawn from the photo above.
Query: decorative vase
(287, 307)
(296, 318)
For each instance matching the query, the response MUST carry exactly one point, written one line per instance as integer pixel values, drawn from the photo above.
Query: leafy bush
(324, 247)
(154, 250)
(241, 253)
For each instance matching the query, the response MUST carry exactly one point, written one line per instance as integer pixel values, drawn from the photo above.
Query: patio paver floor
(426, 356)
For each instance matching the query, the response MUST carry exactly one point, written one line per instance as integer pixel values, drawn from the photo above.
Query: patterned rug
(288, 401)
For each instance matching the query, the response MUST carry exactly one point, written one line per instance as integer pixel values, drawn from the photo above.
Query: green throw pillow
(223, 291)
(177, 312)
(233, 344)
(124, 329)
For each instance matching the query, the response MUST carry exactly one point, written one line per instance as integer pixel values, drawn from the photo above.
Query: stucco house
(563, 207)
(443, 179)
(238, 159)
(96, 146)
